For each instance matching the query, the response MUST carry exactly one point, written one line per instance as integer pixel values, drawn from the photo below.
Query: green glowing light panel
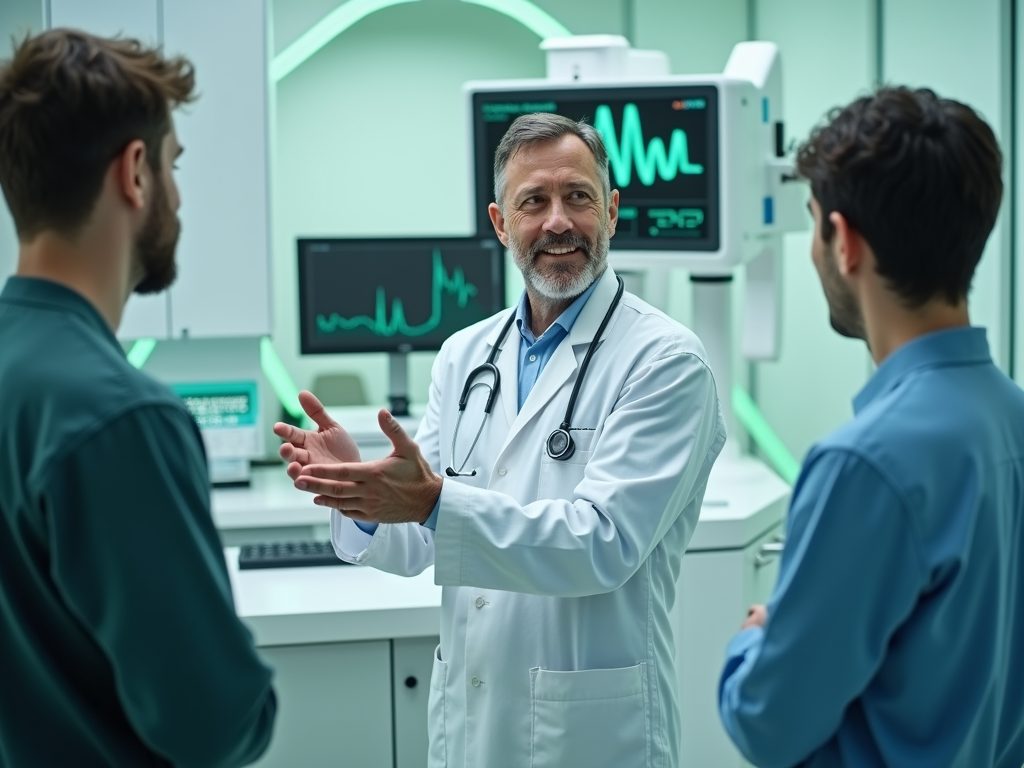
(396, 294)
(662, 144)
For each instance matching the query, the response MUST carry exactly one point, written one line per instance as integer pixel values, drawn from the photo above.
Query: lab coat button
(476, 682)
(502, 471)
(480, 602)
(533, 358)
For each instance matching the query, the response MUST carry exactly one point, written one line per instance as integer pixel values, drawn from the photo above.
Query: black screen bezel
(426, 344)
(483, 161)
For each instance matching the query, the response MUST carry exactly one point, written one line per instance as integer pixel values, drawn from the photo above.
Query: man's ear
(499, 223)
(131, 174)
(848, 245)
(613, 211)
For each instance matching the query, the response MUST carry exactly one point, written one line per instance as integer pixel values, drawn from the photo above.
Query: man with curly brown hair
(119, 643)
(895, 632)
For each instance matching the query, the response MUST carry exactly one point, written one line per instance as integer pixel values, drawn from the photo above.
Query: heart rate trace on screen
(662, 145)
(380, 325)
(397, 294)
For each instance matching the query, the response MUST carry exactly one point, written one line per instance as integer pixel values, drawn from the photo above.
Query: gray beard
(563, 284)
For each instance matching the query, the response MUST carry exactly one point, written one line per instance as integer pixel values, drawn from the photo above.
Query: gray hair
(546, 126)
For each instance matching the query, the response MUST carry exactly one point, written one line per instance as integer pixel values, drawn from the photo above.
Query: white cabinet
(732, 562)
(412, 661)
(223, 286)
(720, 587)
(334, 706)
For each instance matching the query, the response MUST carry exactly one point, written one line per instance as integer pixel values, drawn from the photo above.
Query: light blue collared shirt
(534, 355)
(895, 632)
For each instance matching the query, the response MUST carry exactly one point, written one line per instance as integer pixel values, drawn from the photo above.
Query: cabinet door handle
(411, 681)
(768, 552)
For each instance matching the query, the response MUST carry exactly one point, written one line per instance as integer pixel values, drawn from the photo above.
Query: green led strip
(279, 379)
(345, 15)
(750, 417)
(325, 30)
(140, 352)
(528, 14)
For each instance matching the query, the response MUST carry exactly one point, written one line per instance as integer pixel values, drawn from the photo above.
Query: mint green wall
(371, 135)
(828, 58)
(964, 56)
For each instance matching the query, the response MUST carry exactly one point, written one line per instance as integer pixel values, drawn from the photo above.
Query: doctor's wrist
(432, 492)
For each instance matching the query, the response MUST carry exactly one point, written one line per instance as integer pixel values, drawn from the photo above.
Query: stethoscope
(560, 445)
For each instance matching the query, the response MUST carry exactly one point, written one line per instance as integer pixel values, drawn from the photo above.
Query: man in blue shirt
(895, 632)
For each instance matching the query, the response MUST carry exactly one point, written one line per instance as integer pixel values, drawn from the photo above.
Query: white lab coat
(556, 643)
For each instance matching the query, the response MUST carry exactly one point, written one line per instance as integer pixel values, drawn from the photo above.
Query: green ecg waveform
(380, 325)
(649, 160)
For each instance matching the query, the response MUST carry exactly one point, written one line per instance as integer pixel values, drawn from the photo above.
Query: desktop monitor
(395, 294)
(662, 143)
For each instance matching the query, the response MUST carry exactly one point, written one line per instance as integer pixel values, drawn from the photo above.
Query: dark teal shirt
(119, 643)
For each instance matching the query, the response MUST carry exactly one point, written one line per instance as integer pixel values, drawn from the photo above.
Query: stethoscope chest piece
(560, 445)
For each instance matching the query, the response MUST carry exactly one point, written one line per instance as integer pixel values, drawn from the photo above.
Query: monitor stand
(398, 373)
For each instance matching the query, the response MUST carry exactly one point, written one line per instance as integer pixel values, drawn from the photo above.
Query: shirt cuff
(431, 522)
(349, 540)
(369, 528)
(738, 648)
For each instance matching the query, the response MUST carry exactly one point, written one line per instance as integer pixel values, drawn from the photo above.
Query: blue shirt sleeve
(850, 575)
(430, 522)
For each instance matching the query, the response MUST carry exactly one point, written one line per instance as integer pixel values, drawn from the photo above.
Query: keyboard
(289, 554)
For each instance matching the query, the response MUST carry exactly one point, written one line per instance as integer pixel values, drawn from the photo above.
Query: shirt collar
(956, 346)
(40, 292)
(566, 320)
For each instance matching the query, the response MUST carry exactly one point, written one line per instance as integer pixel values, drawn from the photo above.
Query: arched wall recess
(345, 15)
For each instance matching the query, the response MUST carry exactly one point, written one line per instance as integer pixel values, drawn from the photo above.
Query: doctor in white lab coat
(559, 575)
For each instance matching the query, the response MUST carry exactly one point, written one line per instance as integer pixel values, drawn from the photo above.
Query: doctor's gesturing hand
(329, 443)
(400, 488)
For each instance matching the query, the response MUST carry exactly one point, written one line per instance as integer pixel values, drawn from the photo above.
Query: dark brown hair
(69, 104)
(919, 177)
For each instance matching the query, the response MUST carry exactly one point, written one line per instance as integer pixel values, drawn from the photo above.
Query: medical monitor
(663, 149)
(395, 294)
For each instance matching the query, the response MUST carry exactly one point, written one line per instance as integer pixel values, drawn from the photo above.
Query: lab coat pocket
(558, 479)
(437, 756)
(596, 718)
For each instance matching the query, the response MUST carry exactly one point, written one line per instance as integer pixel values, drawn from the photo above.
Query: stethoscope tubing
(489, 367)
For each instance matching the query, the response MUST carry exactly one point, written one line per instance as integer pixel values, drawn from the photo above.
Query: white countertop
(744, 499)
(291, 606)
(333, 603)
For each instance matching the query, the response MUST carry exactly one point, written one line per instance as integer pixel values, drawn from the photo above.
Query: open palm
(329, 443)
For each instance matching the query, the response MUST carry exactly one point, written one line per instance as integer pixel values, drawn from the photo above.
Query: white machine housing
(755, 199)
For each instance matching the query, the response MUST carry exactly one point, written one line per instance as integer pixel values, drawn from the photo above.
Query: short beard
(155, 245)
(844, 313)
(564, 281)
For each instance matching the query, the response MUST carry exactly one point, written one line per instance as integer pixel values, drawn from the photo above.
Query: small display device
(227, 413)
(662, 144)
(395, 294)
